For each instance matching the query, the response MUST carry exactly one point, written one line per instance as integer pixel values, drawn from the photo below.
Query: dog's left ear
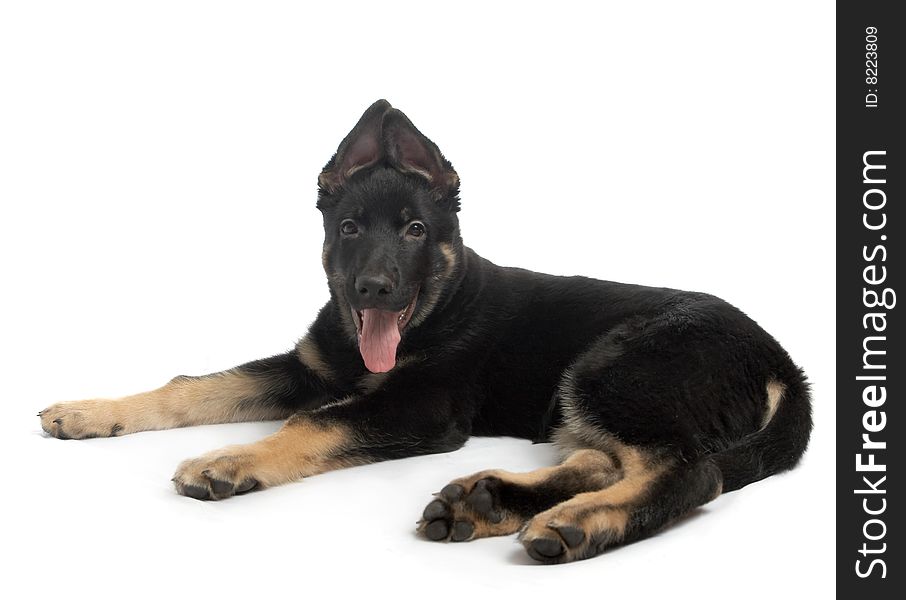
(360, 149)
(411, 152)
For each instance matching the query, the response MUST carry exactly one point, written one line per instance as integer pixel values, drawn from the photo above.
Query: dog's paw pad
(80, 420)
(545, 549)
(215, 476)
(221, 488)
(462, 531)
(480, 499)
(194, 491)
(452, 492)
(246, 486)
(570, 531)
(467, 509)
(227, 488)
(572, 536)
(437, 530)
(436, 510)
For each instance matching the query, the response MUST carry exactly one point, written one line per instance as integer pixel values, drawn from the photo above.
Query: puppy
(659, 399)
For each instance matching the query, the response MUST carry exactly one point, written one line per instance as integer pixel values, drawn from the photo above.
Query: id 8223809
(871, 66)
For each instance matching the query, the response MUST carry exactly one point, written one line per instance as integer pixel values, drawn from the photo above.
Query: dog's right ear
(360, 149)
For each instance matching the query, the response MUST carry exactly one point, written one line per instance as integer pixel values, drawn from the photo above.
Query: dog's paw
(217, 475)
(468, 509)
(80, 420)
(567, 533)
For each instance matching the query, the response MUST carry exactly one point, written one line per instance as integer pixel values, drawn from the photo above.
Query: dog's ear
(360, 149)
(411, 152)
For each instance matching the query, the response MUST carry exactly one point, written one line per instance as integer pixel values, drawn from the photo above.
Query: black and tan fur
(660, 399)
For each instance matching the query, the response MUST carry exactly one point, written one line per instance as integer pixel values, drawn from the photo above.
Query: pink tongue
(379, 339)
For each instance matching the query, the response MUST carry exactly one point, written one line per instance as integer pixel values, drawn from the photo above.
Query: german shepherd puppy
(659, 399)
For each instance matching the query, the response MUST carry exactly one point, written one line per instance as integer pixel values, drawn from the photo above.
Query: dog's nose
(373, 286)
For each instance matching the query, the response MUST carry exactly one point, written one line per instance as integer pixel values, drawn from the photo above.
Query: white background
(157, 176)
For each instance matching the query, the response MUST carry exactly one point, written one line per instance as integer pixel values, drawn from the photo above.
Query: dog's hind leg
(693, 403)
(498, 502)
(272, 388)
(652, 493)
(575, 510)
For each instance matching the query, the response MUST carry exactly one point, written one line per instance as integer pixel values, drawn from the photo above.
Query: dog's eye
(348, 227)
(416, 229)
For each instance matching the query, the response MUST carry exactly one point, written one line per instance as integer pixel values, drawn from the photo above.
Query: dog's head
(392, 249)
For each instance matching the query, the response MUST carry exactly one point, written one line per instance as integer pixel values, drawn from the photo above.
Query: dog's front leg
(272, 388)
(356, 430)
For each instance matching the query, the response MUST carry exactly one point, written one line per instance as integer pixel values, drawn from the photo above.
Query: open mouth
(402, 317)
(379, 333)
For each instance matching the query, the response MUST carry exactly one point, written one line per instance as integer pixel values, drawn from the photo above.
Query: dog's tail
(778, 445)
